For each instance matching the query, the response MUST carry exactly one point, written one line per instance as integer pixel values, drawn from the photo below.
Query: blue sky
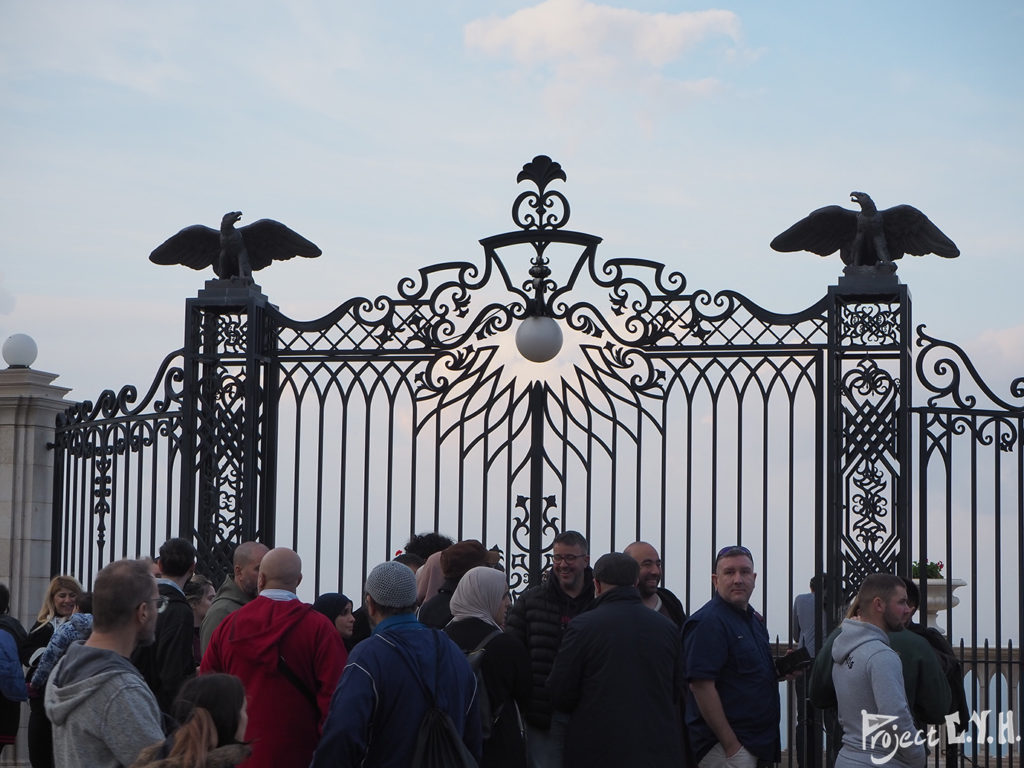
(391, 135)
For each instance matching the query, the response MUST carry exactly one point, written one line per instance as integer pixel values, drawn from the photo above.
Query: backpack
(438, 744)
(13, 627)
(475, 657)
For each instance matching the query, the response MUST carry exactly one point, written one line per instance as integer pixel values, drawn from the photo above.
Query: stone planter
(937, 599)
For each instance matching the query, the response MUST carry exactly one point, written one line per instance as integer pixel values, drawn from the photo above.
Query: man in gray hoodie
(102, 711)
(868, 676)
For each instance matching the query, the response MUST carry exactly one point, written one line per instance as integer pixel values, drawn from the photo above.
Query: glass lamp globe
(539, 338)
(20, 350)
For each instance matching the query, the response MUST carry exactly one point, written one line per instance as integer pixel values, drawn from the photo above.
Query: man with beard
(655, 597)
(236, 590)
(619, 650)
(868, 679)
(102, 711)
(732, 708)
(538, 620)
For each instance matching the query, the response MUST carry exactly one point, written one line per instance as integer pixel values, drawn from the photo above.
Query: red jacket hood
(256, 629)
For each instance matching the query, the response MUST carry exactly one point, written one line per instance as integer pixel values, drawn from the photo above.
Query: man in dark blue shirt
(732, 708)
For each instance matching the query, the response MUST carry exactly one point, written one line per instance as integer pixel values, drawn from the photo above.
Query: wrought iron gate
(688, 419)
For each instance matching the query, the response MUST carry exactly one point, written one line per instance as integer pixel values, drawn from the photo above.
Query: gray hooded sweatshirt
(102, 711)
(868, 677)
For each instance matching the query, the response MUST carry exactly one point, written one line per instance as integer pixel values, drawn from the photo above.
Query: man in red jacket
(288, 656)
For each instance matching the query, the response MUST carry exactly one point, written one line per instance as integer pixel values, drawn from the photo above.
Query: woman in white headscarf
(478, 607)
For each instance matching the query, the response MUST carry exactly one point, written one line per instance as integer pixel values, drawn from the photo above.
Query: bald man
(655, 597)
(237, 590)
(288, 656)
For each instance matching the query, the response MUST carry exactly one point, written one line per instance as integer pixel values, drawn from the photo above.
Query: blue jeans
(546, 747)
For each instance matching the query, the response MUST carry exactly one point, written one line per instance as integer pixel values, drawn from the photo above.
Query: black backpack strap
(483, 643)
(289, 673)
(293, 678)
(431, 698)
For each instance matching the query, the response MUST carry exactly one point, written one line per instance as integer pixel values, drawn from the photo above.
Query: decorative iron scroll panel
(969, 457)
(228, 424)
(691, 421)
(116, 475)
(869, 469)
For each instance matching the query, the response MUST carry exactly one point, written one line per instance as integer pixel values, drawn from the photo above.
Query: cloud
(105, 41)
(572, 53)
(587, 38)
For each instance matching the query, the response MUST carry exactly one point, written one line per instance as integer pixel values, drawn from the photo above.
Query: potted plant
(938, 589)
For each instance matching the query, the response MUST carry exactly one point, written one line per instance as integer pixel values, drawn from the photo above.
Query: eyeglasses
(570, 559)
(732, 551)
(161, 602)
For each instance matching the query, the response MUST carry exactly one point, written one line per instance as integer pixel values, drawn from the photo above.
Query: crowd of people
(596, 665)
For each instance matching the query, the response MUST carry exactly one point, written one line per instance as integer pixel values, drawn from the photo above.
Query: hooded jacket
(868, 678)
(290, 658)
(102, 711)
(229, 598)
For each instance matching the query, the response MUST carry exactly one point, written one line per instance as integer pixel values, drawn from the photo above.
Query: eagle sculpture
(234, 253)
(867, 238)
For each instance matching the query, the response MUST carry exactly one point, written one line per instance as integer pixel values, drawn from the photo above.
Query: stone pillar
(29, 404)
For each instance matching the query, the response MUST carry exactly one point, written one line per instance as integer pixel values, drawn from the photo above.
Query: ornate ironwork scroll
(868, 454)
(227, 423)
(116, 464)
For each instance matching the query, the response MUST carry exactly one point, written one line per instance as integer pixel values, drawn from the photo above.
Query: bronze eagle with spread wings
(868, 237)
(234, 252)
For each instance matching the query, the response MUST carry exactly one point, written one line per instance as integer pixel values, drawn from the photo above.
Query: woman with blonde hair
(58, 605)
(212, 712)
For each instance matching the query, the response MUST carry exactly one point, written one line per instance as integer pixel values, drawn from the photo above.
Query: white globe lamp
(539, 338)
(20, 350)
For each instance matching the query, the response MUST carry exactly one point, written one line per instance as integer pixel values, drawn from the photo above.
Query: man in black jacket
(655, 597)
(538, 620)
(169, 661)
(619, 651)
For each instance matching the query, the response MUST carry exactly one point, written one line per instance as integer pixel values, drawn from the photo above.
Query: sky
(391, 135)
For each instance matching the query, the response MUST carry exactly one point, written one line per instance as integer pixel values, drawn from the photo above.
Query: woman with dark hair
(338, 608)
(211, 710)
(58, 605)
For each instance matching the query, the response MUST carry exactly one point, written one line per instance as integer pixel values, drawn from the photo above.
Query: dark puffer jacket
(538, 620)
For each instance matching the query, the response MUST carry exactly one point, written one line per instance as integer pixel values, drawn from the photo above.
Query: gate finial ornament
(868, 238)
(234, 253)
(545, 208)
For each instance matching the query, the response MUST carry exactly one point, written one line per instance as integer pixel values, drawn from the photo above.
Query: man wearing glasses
(102, 711)
(538, 620)
(732, 708)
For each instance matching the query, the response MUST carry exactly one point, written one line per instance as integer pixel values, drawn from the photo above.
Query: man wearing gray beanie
(391, 680)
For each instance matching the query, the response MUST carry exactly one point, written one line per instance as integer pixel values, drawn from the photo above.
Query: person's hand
(732, 750)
